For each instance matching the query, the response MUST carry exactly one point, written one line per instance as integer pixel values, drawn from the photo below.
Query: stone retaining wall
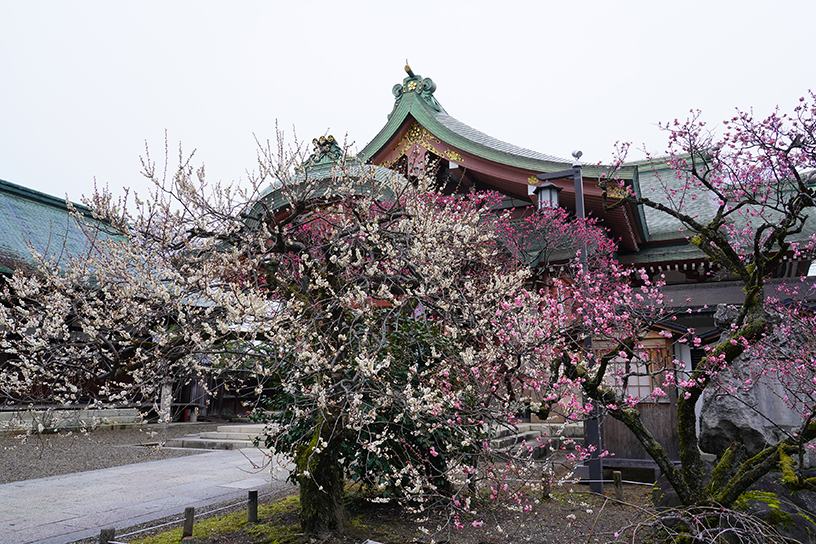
(53, 420)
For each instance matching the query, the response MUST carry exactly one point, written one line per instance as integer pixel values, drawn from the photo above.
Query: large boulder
(755, 416)
(790, 513)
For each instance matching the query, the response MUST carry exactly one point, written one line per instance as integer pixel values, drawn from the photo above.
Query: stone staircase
(529, 436)
(226, 437)
(527, 439)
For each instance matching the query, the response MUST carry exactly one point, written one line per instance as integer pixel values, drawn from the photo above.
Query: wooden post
(546, 474)
(545, 488)
(616, 475)
(253, 506)
(107, 535)
(189, 515)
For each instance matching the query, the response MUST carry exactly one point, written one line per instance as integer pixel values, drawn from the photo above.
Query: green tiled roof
(676, 252)
(489, 145)
(33, 220)
(661, 184)
(326, 175)
(420, 104)
(656, 181)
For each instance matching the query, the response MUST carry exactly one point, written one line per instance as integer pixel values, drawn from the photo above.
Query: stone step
(220, 435)
(194, 442)
(508, 441)
(536, 439)
(253, 429)
(531, 449)
(568, 430)
(225, 437)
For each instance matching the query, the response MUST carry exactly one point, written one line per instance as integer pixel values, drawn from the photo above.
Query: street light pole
(592, 428)
(577, 175)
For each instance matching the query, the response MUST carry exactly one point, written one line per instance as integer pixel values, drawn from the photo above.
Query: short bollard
(253, 506)
(618, 484)
(546, 474)
(107, 535)
(189, 515)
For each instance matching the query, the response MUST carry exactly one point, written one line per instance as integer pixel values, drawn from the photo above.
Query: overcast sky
(84, 84)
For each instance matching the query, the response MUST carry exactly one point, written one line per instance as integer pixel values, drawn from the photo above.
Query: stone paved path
(67, 508)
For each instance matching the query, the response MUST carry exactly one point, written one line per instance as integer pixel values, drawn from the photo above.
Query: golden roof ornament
(414, 83)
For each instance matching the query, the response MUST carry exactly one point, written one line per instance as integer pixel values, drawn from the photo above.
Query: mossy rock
(791, 513)
(663, 495)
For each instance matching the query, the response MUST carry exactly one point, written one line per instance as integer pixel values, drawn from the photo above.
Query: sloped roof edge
(461, 136)
(466, 138)
(31, 220)
(40, 198)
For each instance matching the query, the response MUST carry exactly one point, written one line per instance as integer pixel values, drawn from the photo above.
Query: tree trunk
(321, 484)
(166, 404)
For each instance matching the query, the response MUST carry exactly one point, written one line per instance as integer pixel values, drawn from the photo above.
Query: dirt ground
(572, 515)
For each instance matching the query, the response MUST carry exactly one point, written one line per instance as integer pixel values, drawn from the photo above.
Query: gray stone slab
(107, 506)
(41, 516)
(55, 532)
(61, 509)
(103, 519)
(249, 483)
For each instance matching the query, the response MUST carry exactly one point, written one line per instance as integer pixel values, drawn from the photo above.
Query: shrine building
(420, 137)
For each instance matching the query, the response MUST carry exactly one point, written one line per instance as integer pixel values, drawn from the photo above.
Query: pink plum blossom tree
(759, 177)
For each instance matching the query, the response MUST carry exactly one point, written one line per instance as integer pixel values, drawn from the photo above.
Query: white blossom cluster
(389, 328)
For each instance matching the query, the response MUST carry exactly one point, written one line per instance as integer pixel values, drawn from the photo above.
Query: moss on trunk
(321, 482)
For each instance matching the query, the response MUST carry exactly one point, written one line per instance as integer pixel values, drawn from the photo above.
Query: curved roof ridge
(414, 97)
(479, 137)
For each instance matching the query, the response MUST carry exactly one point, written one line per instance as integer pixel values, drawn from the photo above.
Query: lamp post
(549, 191)
(546, 196)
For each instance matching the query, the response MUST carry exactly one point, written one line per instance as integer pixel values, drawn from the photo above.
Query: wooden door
(659, 412)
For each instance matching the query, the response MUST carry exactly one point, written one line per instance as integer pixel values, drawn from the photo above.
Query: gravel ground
(40, 456)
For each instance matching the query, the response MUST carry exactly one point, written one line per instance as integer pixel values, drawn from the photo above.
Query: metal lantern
(547, 194)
